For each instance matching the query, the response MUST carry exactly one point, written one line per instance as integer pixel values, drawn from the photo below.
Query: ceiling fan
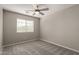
(36, 10)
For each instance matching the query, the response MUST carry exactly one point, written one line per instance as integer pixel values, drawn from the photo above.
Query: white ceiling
(20, 8)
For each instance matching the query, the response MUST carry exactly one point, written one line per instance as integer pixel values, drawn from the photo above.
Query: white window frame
(25, 23)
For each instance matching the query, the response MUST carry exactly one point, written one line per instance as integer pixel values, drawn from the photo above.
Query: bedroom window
(25, 25)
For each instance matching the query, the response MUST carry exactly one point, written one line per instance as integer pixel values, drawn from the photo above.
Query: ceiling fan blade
(44, 9)
(41, 13)
(29, 11)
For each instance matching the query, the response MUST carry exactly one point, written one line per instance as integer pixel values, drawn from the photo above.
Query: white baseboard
(18, 43)
(60, 45)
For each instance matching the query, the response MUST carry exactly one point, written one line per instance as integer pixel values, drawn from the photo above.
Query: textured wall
(10, 34)
(62, 28)
(1, 29)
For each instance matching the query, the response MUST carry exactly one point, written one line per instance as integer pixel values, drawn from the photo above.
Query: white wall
(10, 28)
(62, 28)
(1, 29)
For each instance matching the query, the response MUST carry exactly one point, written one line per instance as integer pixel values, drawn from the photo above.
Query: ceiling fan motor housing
(37, 10)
